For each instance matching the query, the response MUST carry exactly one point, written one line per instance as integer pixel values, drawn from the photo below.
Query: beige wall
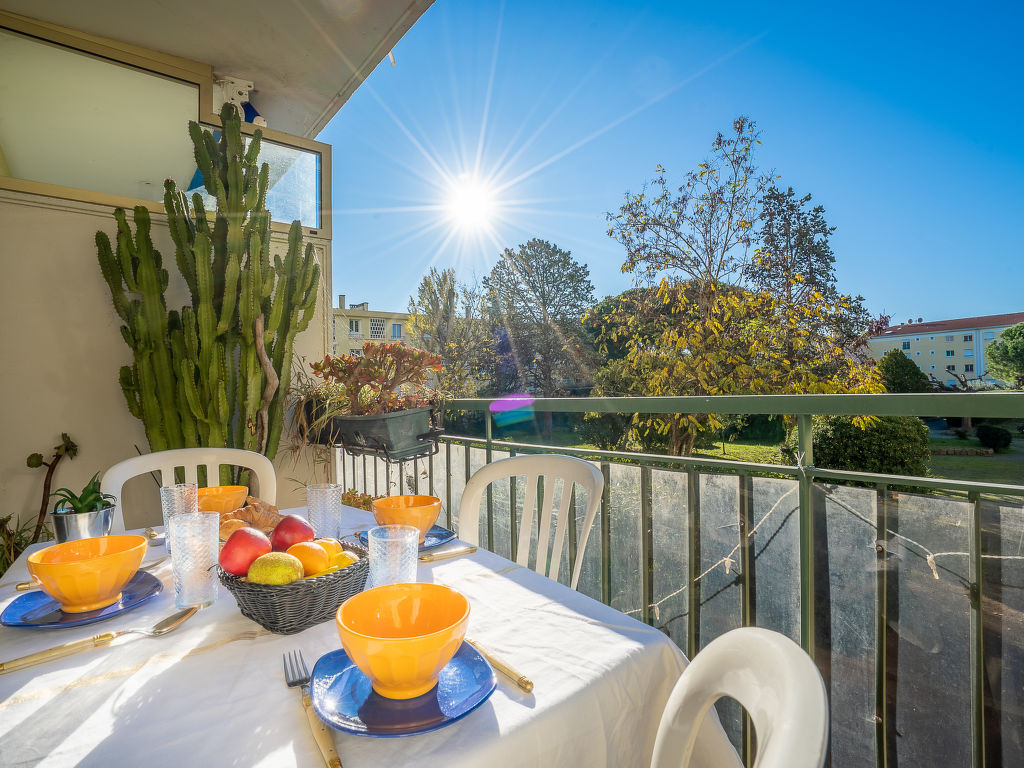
(345, 342)
(61, 351)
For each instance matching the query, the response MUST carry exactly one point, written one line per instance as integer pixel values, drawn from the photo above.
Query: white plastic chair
(775, 681)
(551, 467)
(189, 459)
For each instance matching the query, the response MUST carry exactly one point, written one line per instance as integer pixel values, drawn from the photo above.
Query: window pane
(293, 191)
(55, 102)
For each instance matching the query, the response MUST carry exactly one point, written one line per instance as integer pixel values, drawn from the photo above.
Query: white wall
(61, 350)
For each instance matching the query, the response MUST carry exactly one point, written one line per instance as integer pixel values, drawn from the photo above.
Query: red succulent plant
(384, 378)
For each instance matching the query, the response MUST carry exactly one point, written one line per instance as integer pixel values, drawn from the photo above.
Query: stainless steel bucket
(69, 526)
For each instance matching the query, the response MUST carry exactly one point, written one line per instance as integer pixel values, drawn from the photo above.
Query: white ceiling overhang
(306, 57)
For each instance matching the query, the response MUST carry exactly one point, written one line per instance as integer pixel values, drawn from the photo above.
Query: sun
(470, 203)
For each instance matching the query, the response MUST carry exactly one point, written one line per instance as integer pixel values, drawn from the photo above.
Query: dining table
(212, 692)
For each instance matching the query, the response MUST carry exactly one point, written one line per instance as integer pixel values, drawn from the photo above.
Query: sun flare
(470, 203)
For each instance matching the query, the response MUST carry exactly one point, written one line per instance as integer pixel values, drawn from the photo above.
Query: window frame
(165, 65)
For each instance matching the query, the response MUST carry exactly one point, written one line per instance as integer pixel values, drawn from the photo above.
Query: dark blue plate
(436, 536)
(38, 610)
(343, 698)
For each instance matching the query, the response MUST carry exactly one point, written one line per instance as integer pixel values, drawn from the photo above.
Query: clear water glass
(394, 553)
(196, 545)
(176, 500)
(323, 509)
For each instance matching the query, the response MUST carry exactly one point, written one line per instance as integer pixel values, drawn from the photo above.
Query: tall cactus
(215, 372)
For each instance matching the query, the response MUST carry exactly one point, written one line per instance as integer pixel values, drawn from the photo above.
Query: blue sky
(901, 119)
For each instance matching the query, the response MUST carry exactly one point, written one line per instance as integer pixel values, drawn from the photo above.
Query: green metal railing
(978, 405)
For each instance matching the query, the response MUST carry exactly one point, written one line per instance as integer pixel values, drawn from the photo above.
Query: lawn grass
(1005, 467)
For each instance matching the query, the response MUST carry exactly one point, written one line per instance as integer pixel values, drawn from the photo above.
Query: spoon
(24, 586)
(155, 539)
(173, 621)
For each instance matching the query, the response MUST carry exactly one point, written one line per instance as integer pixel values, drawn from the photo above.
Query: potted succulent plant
(376, 402)
(82, 515)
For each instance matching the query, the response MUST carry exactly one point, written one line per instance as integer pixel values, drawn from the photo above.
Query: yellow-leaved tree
(692, 327)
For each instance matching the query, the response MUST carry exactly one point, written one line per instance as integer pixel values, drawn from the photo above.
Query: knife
(432, 557)
(173, 621)
(522, 682)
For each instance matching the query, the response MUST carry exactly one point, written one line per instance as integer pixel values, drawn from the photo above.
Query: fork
(297, 674)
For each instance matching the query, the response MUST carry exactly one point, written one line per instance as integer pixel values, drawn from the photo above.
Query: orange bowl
(402, 635)
(418, 511)
(87, 574)
(222, 498)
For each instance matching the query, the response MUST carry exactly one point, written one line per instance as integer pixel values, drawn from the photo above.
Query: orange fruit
(332, 569)
(344, 559)
(333, 547)
(313, 557)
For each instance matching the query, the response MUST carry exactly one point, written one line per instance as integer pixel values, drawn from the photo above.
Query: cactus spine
(216, 372)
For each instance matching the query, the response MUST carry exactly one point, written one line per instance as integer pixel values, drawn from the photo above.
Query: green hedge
(891, 445)
(996, 438)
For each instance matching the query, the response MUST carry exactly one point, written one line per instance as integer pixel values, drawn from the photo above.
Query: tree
(794, 257)
(446, 318)
(537, 295)
(705, 229)
(698, 333)
(794, 260)
(1006, 355)
(679, 343)
(900, 374)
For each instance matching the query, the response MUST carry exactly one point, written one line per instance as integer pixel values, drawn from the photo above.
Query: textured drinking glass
(394, 553)
(323, 509)
(195, 541)
(176, 500)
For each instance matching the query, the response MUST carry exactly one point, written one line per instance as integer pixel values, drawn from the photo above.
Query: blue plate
(436, 536)
(38, 610)
(343, 698)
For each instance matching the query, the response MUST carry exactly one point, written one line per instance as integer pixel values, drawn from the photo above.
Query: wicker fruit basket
(291, 608)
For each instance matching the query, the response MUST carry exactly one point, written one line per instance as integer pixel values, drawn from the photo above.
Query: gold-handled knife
(24, 586)
(522, 682)
(433, 557)
(162, 628)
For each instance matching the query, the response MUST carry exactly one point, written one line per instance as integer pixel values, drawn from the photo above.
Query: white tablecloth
(212, 692)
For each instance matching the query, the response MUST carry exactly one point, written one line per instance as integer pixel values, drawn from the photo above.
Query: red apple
(291, 530)
(241, 549)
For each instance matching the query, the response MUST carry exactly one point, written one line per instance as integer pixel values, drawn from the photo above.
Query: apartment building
(355, 324)
(943, 347)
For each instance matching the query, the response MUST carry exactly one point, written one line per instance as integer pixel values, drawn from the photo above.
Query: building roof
(960, 324)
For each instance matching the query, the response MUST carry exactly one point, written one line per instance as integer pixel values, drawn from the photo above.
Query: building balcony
(905, 590)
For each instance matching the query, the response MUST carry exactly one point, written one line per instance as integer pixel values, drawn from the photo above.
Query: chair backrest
(569, 470)
(189, 459)
(775, 681)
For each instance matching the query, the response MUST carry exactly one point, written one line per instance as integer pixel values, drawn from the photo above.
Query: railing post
(572, 530)
(646, 544)
(693, 564)
(748, 589)
(513, 526)
(490, 492)
(881, 627)
(606, 535)
(977, 637)
(448, 482)
(805, 446)
(430, 473)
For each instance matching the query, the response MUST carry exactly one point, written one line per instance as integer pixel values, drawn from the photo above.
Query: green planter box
(397, 433)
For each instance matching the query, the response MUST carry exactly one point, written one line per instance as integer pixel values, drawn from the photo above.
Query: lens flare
(470, 203)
